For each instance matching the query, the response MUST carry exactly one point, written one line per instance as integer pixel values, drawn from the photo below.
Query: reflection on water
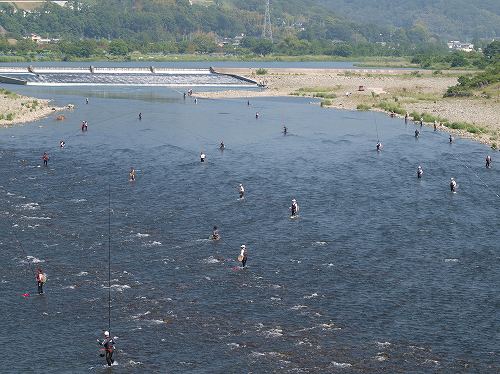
(381, 271)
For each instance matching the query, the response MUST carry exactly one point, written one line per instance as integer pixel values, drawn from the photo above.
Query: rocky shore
(16, 109)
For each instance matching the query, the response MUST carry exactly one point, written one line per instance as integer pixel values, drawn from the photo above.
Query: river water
(381, 272)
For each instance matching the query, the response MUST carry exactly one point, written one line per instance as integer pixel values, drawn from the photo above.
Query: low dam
(120, 76)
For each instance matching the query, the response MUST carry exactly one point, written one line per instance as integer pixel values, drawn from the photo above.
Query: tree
(263, 47)
(458, 60)
(78, 48)
(341, 49)
(204, 43)
(118, 47)
(492, 50)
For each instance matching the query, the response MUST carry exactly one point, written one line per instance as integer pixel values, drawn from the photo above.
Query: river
(381, 272)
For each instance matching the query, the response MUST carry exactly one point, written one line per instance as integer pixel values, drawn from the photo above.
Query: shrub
(325, 103)
(10, 116)
(415, 115)
(391, 107)
(363, 107)
(261, 71)
(325, 95)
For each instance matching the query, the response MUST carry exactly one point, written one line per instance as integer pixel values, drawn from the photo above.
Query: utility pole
(267, 31)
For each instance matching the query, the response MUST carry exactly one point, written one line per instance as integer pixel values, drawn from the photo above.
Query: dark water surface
(381, 273)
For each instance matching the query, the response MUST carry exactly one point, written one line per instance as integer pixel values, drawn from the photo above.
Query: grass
(321, 92)
(317, 89)
(10, 116)
(325, 103)
(473, 129)
(8, 93)
(261, 71)
(325, 95)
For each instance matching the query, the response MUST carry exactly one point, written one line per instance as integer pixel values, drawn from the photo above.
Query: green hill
(452, 19)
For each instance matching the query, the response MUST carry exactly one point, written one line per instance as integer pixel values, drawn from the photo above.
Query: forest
(89, 28)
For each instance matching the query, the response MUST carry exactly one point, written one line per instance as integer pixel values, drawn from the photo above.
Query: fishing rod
(376, 127)
(20, 246)
(109, 257)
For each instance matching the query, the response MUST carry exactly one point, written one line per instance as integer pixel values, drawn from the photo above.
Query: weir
(120, 76)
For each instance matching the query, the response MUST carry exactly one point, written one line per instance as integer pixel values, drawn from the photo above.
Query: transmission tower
(267, 31)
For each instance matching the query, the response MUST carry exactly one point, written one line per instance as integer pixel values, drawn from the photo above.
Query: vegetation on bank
(431, 118)
(469, 85)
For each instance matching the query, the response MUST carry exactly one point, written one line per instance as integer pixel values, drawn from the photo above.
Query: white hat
(106, 333)
(452, 179)
(243, 246)
(294, 200)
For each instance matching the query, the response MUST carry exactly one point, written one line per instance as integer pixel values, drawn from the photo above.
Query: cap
(243, 246)
(294, 200)
(106, 333)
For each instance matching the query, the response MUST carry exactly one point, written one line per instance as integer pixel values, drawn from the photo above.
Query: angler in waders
(109, 347)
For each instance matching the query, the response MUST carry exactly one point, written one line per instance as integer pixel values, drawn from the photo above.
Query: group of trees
(467, 84)
(88, 28)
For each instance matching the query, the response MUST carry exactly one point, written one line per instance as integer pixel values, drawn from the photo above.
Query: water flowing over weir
(120, 76)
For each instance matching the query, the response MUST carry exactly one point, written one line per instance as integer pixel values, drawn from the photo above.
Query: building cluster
(235, 42)
(455, 45)
(40, 40)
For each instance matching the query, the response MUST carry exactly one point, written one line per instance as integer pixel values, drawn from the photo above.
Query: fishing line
(109, 257)
(20, 246)
(477, 176)
(376, 126)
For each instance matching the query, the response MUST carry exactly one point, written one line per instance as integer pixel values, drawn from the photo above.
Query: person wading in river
(109, 347)
(40, 280)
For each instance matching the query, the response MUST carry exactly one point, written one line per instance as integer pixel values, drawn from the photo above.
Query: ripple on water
(312, 296)
(154, 243)
(319, 244)
(32, 259)
(29, 206)
(76, 201)
(120, 287)
(273, 333)
(210, 260)
(341, 365)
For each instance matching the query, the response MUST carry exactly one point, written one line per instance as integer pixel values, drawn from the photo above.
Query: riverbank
(379, 61)
(417, 92)
(16, 109)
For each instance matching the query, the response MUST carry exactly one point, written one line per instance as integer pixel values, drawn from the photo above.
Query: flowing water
(381, 272)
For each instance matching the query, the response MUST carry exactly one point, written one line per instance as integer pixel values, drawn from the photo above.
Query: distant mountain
(451, 19)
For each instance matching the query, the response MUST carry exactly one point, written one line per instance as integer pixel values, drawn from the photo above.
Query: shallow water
(380, 273)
